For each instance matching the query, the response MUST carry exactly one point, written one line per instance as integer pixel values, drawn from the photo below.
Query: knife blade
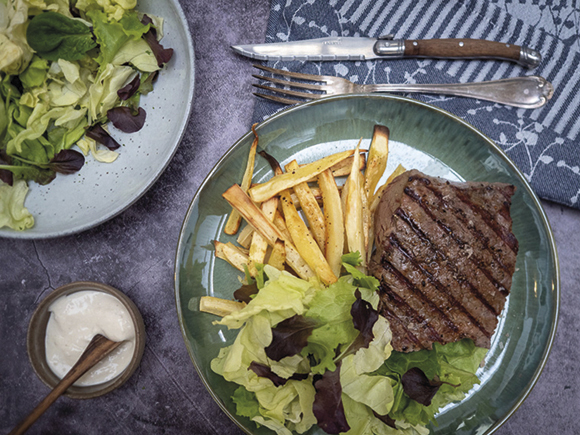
(363, 48)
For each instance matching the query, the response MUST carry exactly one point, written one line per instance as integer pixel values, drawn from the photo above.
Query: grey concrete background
(135, 252)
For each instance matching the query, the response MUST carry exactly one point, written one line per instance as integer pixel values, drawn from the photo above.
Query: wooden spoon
(99, 347)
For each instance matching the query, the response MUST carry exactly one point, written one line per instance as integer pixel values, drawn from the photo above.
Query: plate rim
(556, 291)
(108, 215)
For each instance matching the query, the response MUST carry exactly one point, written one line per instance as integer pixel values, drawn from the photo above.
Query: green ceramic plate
(422, 137)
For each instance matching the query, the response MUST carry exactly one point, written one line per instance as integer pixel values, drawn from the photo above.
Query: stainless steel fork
(529, 92)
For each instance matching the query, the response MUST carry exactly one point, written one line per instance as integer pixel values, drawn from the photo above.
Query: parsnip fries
(353, 212)
(334, 221)
(337, 219)
(258, 220)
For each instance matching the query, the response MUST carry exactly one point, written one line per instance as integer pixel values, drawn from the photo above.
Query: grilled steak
(445, 258)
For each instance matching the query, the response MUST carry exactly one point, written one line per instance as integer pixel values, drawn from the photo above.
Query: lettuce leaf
(246, 403)
(453, 363)
(114, 9)
(13, 213)
(35, 74)
(15, 53)
(362, 420)
(54, 36)
(375, 392)
(280, 299)
(330, 308)
(111, 36)
(138, 53)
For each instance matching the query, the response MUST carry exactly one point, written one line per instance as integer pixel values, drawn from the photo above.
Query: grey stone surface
(135, 253)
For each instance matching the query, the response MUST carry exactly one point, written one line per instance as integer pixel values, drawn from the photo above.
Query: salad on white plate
(67, 69)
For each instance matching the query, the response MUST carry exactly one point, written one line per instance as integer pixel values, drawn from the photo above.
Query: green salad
(310, 355)
(67, 69)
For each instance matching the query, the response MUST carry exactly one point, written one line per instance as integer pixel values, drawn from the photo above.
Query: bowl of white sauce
(64, 323)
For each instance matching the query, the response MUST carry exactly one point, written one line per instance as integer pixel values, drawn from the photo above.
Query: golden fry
(234, 220)
(281, 225)
(281, 182)
(245, 236)
(353, 216)
(343, 167)
(219, 307)
(278, 255)
(232, 254)
(377, 162)
(334, 221)
(310, 208)
(259, 245)
(305, 243)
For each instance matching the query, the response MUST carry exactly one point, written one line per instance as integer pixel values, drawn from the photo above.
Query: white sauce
(74, 320)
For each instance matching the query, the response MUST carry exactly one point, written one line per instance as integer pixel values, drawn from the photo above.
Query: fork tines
(287, 84)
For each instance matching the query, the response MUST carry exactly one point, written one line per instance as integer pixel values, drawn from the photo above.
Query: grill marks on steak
(445, 259)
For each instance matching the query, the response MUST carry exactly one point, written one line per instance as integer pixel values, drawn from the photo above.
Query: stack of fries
(338, 219)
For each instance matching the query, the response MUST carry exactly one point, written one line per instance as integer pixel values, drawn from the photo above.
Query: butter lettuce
(138, 53)
(15, 53)
(114, 9)
(288, 405)
(362, 420)
(454, 363)
(331, 308)
(111, 36)
(13, 214)
(35, 74)
(103, 92)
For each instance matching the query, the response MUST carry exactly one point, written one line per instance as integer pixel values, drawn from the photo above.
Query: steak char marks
(445, 258)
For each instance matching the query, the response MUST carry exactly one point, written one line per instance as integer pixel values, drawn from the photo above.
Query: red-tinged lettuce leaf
(290, 336)
(245, 292)
(67, 162)
(124, 119)
(5, 175)
(328, 407)
(418, 387)
(364, 317)
(130, 88)
(163, 55)
(266, 372)
(99, 134)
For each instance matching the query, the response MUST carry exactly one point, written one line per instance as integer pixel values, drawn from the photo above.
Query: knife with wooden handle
(362, 48)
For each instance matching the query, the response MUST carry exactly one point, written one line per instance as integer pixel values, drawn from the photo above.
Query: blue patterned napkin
(544, 143)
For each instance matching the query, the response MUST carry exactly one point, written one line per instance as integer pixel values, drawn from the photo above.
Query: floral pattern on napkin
(544, 143)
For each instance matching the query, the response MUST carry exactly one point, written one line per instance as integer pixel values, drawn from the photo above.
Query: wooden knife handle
(470, 49)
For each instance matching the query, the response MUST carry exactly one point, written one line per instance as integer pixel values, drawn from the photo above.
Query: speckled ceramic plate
(422, 137)
(100, 191)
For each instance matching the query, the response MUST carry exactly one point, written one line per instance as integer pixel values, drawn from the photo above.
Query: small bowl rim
(35, 340)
